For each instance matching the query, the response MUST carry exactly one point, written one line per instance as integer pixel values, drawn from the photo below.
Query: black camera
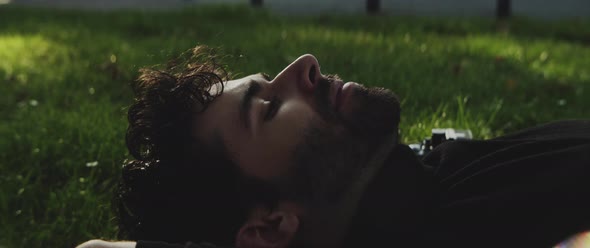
(439, 136)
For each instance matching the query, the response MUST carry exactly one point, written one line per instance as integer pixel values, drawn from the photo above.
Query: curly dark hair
(178, 189)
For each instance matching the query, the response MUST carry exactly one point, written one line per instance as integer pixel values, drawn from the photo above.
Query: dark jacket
(527, 189)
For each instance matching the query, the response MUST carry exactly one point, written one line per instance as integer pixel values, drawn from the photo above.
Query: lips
(344, 94)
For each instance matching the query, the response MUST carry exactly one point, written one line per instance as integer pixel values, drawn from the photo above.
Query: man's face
(299, 125)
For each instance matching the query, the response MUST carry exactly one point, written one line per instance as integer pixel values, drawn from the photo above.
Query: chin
(373, 112)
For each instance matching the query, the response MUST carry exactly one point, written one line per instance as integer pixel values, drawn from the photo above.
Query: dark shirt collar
(395, 202)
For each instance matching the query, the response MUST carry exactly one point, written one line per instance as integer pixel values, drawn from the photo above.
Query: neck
(327, 223)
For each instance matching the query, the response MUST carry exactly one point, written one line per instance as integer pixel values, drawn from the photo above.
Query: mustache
(332, 77)
(322, 98)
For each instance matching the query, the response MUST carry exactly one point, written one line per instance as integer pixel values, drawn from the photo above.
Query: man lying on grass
(306, 160)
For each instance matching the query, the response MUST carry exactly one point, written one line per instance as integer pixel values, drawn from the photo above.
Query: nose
(305, 71)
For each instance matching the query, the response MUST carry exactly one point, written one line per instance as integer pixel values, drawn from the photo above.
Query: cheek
(297, 114)
(266, 157)
(271, 152)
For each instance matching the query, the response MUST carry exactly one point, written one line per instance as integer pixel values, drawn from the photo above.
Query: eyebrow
(246, 101)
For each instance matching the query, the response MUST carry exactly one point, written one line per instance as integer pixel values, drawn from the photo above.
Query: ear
(274, 230)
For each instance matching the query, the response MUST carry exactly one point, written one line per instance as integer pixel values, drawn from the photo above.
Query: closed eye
(272, 109)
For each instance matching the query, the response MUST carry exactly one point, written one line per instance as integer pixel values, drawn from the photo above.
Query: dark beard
(336, 149)
(325, 165)
(376, 112)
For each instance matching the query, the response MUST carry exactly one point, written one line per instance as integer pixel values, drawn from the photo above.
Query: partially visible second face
(268, 126)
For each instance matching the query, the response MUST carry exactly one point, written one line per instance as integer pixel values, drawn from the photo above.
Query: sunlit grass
(64, 88)
(24, 56)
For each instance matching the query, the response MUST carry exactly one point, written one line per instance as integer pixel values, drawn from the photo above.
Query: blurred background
(492, 66)
(486, 8)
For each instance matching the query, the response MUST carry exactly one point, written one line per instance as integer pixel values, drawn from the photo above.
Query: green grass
(65, 75)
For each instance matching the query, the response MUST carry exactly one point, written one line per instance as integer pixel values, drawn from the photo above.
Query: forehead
(220, 106)
(220, 111)
(234, 85)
